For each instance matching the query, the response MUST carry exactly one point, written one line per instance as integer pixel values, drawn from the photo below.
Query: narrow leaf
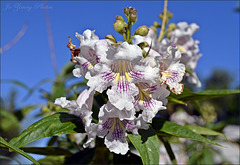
(16, 82)
(205, 94)
(47, 151)
(147, 145)
(179, 131)
(14, 148)
(54, 125)
(203, 131)
(52, 160)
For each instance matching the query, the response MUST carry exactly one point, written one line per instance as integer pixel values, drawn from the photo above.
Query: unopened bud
(156, 24)
(45, 109)
(169, 14)
(144, 53)
(111, 38)
(142, 31)
(116, 44)
(129, 10)
(133, 17)
(143, 45)
(172, 26)
(119, 26)
(120, 18)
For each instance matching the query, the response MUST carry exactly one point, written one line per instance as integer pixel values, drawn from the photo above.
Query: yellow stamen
(165, 74)
(182, 49)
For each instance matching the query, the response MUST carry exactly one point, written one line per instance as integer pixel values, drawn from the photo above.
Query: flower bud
(119, 26)
(133, 17)
(156, 24)
(142, 31)
(129, 10)
(143, 45)
(111, 38)
(120, 18)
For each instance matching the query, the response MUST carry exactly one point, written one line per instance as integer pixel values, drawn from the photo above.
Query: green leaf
(14, 148)
(147, 145)
(47, 151)
(179, 131)
(18, 83)
(54, 125)
(203, 131)
(172, 100)
(52, 160)
(207, 157)
(8, 121)
(205, 94)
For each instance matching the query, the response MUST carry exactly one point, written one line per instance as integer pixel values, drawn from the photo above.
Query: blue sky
(29, 59)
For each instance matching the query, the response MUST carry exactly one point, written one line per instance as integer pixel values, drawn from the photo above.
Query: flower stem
(163, 21)
(169, 150)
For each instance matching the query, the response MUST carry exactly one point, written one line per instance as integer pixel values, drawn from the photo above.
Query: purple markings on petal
(85, 65)
(136, 75)
(174, 45)
(174, 77)
(108, 124)
(122, 87)
(118, 131)
(129, 125)
(108, 76)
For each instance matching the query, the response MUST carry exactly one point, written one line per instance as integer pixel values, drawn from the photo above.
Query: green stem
(129, 30)
(169, 150)
(130, 41)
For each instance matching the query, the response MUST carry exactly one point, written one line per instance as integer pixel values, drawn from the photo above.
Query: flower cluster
(180, 34)
(137, 76)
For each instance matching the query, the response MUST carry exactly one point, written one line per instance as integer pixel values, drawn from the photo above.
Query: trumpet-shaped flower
(182, 36)
(121, 69)
(82, 107)
(90, 51)
(150, 99)
(114, 129)
(172, 71)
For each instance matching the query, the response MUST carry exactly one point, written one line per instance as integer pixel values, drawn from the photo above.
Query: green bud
(129, 10)
(119, 26)
(45, 109)
(133, 17)
(143, 45)
(144, 53)
(170, 28)
(156, 24)
(116, 44)
(169, 14)
(111, 38)
(142, 31)
(120, 18)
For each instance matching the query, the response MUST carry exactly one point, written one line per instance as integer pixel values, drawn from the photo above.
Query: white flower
(114, 129)
(121, 69)
(150, 99)
(82, 107)
(172, 71)
(182, 36)
(91, 50)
